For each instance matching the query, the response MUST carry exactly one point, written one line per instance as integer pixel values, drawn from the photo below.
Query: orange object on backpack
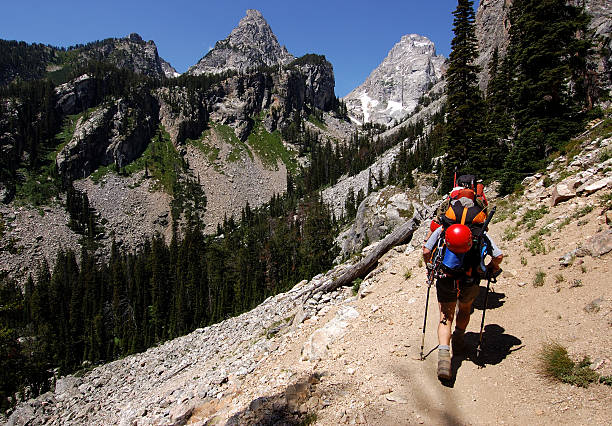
(466, 186)
(480, 194)
(460, 192)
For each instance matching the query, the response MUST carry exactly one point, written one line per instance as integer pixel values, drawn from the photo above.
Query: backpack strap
(464, 215)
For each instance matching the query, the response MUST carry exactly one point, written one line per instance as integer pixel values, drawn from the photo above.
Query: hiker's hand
(493, 270)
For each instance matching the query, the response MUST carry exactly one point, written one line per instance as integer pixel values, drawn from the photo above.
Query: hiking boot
(444, 364)
(458, 342)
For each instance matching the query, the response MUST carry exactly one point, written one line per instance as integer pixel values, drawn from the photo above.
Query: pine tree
(547, 52)
(349, 204)
(317, 249)
(465, 103)
(498, 119)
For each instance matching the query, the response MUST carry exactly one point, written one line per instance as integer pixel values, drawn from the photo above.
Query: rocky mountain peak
(130, 52)
(393, 89)
(135, 37)
(253, 28)
(253, 14)
(251, 44)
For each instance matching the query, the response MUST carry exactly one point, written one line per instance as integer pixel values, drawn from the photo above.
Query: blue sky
(355, 36)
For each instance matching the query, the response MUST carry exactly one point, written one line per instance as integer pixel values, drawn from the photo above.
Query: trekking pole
(491, 278)
(425, 319)
(431, 275)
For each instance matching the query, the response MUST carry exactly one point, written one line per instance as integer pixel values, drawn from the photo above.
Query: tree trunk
(365, 265)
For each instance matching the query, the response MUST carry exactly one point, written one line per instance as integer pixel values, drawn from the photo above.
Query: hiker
(464, 186)
(460, 271)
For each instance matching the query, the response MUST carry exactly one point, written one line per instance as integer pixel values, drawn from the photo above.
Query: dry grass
(556, 364)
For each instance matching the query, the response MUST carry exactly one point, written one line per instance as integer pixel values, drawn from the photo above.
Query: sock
(443, 347)
(459, 331)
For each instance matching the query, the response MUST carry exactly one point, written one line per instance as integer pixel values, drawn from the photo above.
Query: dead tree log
(365, 265)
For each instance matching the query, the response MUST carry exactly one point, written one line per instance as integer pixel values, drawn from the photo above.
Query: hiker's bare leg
(463, 314)
(447, 313)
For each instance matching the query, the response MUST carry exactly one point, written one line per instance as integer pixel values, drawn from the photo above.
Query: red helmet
(459, 238)
(434, 225)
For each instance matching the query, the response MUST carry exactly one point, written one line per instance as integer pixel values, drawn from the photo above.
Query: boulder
(528, 180)
(299, 317)
(599, 244)
(32, 411)
(181, 413)
(563, 191)
(316, 346)
(569, 257)
(595, 186)
(378, 215)
(537, 192)
(66, 385)
(25, 414)
(594, 306)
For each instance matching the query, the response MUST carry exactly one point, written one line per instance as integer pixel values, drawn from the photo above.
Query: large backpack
(465, 186)
(464, 211)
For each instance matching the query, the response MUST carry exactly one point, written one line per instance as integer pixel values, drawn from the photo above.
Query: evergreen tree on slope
(547, 52)
(465, 103)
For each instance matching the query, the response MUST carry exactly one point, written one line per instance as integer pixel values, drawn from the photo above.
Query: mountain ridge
(130, 52)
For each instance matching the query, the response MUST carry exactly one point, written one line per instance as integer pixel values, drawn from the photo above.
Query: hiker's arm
(496, 255)
(430, 244)
(495, 262)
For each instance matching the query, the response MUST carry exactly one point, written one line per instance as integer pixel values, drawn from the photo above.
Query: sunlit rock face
(393, 89)
(250, 45)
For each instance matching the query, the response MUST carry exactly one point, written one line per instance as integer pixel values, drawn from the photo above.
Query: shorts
(446, 290)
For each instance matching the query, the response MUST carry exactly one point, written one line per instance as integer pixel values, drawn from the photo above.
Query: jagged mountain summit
(393, 89)
(251, 44)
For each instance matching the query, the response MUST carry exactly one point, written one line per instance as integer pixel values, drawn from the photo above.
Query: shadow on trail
(286, 408)
(496, 346)
(494, 301)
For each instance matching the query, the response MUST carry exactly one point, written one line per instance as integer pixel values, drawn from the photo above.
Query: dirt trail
(373, 376)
